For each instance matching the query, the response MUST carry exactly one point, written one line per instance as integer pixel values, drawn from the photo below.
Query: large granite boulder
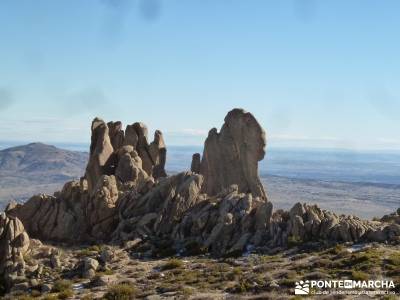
(129, 170)
(116, 134)
(153, 155)
(159, 210)
(176, 209)
(196, 163)
(56, 218)
(14, 244)
(232, 155)
(101, 212)
(226, 224)
(101, 151)
(305, 223)
(158, 152)
(73, 215)
(392, 218)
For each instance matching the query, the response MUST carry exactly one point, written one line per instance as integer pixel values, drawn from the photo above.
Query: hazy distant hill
(37, 168)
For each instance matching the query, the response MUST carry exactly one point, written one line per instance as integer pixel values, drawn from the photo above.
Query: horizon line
(60, 144)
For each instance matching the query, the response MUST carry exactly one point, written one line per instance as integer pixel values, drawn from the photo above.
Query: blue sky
(314, 73)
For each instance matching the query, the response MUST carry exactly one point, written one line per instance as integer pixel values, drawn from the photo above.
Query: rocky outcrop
(196, 162)
(153, 155)
(220, 206)
(176, 209)
(116, 134)
(158, 152)
(232, 155)
(73, 215)
(310, 223)
(161, 209)
(86, 210)
(14, 244)
(392, 218)
(100, 152)
(130, 171)
(227, 224)
(101, 213)
(56, 218)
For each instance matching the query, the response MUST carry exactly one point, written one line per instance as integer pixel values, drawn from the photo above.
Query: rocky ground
(107, 272)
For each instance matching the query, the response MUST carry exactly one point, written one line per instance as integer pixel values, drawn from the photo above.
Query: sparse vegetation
(249, 275)
(61, 286)
(65, 294)
(120, 292)
(394, 259)
(359, 275)
(173, 263)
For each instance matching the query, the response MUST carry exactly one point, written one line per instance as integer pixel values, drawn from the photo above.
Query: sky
(314, 73)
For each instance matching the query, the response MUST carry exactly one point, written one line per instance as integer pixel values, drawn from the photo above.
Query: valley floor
(365, 200)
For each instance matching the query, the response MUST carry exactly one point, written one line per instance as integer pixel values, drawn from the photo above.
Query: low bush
(120, 292)
(61, 286)
(359, 275)
(171, 264)
(66, 294)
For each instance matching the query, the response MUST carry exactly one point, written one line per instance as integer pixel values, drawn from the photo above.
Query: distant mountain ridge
(37, 168)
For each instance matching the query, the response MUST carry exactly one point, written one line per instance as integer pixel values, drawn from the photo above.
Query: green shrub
(49, 297)
(105, 272)
(394, 259)
(66, 294)
(359, 275)
(338, 249)
(36, 293)
(171, 264)
(61, 286)
(26, 297)
(120, 292)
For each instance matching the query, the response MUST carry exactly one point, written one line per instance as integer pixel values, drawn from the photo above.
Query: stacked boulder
(221, 205)
(226, 224)
(14, 244)
(87, 210)
(232, 155)
(310, 223)
(59, 218)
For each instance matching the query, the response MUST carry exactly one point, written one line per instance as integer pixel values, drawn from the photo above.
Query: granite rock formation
(86, 210)
(196, 163)
(220, 205)
(58, 218)
(310, 223)
(14, 244)
(116, 134)
(232, 155)
(100, 153)
(153, 155)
